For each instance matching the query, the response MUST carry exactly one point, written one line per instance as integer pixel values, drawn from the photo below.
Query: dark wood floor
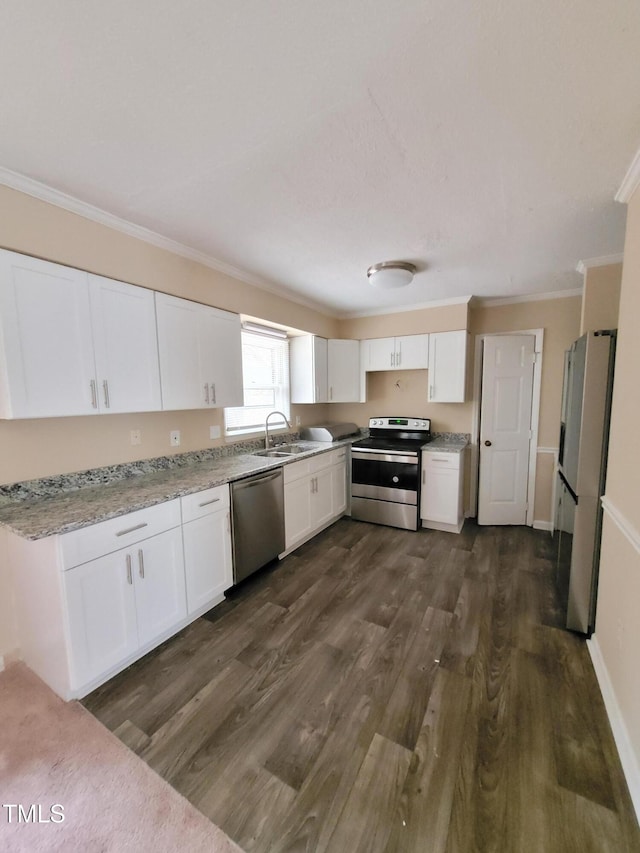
(381, 690)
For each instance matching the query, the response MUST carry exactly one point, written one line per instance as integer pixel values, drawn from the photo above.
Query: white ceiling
(303, 141)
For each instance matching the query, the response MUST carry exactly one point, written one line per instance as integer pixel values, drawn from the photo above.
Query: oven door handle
(369, 456)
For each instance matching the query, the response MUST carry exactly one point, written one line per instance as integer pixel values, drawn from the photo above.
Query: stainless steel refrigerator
(584, 438)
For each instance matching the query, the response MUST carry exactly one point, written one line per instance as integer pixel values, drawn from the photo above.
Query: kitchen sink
(281, 450)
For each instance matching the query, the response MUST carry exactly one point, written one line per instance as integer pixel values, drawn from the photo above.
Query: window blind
(265, 377)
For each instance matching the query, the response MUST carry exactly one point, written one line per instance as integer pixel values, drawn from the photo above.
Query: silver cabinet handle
(392, 355)
(212, 501)
(331, 392)
(94, 395)
(206, 393)
(141, 562)
(129, 575)
(213, 393)
(131, 529)
(423, 475)
(105, 388)
(228, 522)
(399, 356)
(430, 392)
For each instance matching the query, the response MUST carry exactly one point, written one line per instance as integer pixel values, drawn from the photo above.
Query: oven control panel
(400, 423)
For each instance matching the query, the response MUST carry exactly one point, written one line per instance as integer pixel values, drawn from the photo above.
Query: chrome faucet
(266, 427)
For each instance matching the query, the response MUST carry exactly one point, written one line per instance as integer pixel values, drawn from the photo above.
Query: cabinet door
(412, 352)
(308, 368)
(339, 488)
(220, 342)
(343, 371)
(48, 366)
(126, 346)
(380, 354)
(161, 601)
(207, 559)
(440, 497)
(447, 367)
(179, 353)
(322, 498)
(298, 519)
(102, 616)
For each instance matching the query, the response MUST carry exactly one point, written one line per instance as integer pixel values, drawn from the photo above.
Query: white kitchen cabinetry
(407, 352)
(441, 500)
(206, 534)
(46, 365)
(92, 601)
(324, 371)
(126, 346)
(343, 371)
(200, 355)
(314, 495)
(122, 602)
(127, 600)
(220, 340)
(308, 356)
(447, 367)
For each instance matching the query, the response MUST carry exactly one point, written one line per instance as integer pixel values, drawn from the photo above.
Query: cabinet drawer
(80, 546)
(441, 460)
(204, 503)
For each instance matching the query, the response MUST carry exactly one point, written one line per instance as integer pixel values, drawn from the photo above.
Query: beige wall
(37, 448)
(617, 623)
(443, 318)
(601, 298)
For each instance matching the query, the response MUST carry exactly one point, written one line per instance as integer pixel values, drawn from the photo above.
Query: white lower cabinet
(441, 501)
(101, 609)
(206, 534)
(122, 602)
(314, 494)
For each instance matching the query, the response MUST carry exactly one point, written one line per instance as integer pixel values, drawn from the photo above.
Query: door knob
(487, 443)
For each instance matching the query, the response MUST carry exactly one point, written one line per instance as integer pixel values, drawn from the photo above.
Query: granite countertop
(447, 445)
(68, 510)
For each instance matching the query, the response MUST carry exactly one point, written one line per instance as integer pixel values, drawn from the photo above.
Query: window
(265, 370)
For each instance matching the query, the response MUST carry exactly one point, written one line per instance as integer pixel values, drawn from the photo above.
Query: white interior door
(505, 428)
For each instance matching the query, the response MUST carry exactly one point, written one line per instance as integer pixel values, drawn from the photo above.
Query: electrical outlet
(136, 436)
(174, 438)
(297, 420)
(214, 432)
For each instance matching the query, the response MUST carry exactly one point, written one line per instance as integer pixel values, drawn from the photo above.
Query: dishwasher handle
(256, 481)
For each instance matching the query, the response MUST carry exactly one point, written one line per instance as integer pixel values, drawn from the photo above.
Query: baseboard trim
(621, 737)
(543, 525)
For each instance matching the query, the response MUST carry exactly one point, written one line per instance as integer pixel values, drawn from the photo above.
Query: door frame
(538, 334)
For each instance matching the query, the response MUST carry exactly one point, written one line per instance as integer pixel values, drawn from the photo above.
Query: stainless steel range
(385, 472)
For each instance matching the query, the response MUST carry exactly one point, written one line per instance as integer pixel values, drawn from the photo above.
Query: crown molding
(43, 192)
(630, 182)
(602, 261)
(531, 297)
(401, 309)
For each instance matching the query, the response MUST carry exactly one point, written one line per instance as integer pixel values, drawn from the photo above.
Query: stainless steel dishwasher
(258, 522)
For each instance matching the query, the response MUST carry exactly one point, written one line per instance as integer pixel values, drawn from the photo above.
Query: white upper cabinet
(220, 341)
(126, 346)
(308, 368)
(200, 355)
(179, 353)
(343, 371)
(46, 361)
(407, 352)
(324, 371)
(447, 367)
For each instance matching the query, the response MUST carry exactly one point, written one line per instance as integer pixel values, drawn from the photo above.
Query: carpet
(67, 783)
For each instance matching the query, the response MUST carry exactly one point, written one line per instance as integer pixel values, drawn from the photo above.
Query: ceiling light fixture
(391, 274)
